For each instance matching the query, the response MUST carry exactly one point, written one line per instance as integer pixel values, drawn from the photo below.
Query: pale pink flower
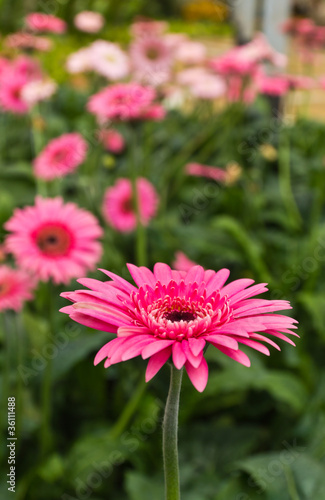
(38, 90)
(211, 87)
(147, 27)
(89, 21)
(118, 207)
(174, 40)
(112, 140)
(123, 101)
(259, 50)
(190, 52)
(61, 156)
(40, 22)
(109, 60)
(151, 60)
(173, 314)
(182, 262)
(80, 61)
(54, 240)
(23, 40)
(273, 85)
(198, 170)
(16, 287)
(191, 76)
(27, 67)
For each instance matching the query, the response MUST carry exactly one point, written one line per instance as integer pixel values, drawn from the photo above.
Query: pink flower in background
(40, 22)
(232, 63)
(61, 156)
(122, 101)
(300, 82)
(151, 60)
(54, 240)
(174, 40)
(156, 113)
(147, 27)
(16, 287)
(172, 314)
(259, 50)
(109, 60)
(190, 52)
(211, 87)
(80, 61)
(198, 170)
(89, 21)
(11, 88)
(182, 262)
(112, 140)
(38, 90)
(273, 85)
(23, 40)
(118, 207)
(27, 67)
(4, 66)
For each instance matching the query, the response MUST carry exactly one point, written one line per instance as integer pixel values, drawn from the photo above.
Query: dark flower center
(53, 241)
(152, 54)
(176, 316)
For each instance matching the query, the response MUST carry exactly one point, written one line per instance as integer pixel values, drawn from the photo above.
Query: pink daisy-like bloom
(89, 21)
(147, 27)
(176, 314)
(118, 207)
(109, 60)
(22, 40)
(190, 52)
(37, 21)
(53, 239)
(122, 101)
(16, 287)
(61, 156)
(151, 60)
(273, 85)
(182, 262)
(38, 90)
(80, 61)
(11, 88)
(112, 140)
(198, 170)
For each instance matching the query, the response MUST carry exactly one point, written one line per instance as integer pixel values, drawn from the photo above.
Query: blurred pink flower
(80, 61)
(112, 140)
(174, 40)
(300, 82)
(60, 157)
(118, 207)
(40, 22)
(89, 21)
(11, 87)
(182, 262)
(109, 60)
(198, 170)
(177, 314)
(38, 90)
(16, 287)
(147, 27)
(122, 101)
(151, 60)
(23, 40)
(189, 52)
(273, 85)
(54, 240)
(211, 87)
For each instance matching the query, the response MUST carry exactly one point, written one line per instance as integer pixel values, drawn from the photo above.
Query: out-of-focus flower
(11, 89)
(182, 262)
(27, 67)
(212, 87)
(273, 85)
(147, 27)
(61, 156)
(16, 287)
(176, 314)
(109, 60)
(174, 40)
(54, 240)
(300, 82)
(190, 52)
(89, 21)
(23, 40)
(198, 170)
(123, 101)
(38, 90)
(268, 152)
(151, 60)
(112, 140)
(118, 207)
(37, 21)
(233, 173)
(80, 61)
(3, 253)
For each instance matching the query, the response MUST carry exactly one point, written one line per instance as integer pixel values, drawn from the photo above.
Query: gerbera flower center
(153, 53)
(53, 240)
(175, 316)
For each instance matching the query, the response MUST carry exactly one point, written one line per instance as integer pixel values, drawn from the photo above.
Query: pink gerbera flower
(123, 101)
(89, 21)
(273, 85)
(11, 89)
(37, 21)
(151, 60)
(176, 314)
(112, 140)
(54, 240)
(182, 262)
(109, 60)
(61, 156)
(118, 207)
(15, 288)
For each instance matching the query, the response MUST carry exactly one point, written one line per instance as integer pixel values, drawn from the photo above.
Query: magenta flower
(118, 207)
(61, 156)
(123, 101)
(54, 240)
(176, 314)
(39, 22)
(16, 287)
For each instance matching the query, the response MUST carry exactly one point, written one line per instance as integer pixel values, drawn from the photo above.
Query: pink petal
(130, 331)
(249, 292)
(179, 357)
(194, 360)
(155, 347)
(162, 273)
(238, 356)
(198, 376)
(156, 362)
(235, 287)
(196, 345)
(222, 340)
(125, 285)
(257, 336)
(94, 323)
(255, 345)
(106, 350)
(142, 275)
(137, 347)
(217, 281)
(194, 275)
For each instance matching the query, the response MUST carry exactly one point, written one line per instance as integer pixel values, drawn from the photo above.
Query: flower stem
(170, 427)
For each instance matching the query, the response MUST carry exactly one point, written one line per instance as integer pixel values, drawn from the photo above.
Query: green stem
(20, 362)
(170, 427)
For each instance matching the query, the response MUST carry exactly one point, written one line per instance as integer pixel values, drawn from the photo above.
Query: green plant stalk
(141, 236)
(170, 432)
(19, 381)
(6, 369)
